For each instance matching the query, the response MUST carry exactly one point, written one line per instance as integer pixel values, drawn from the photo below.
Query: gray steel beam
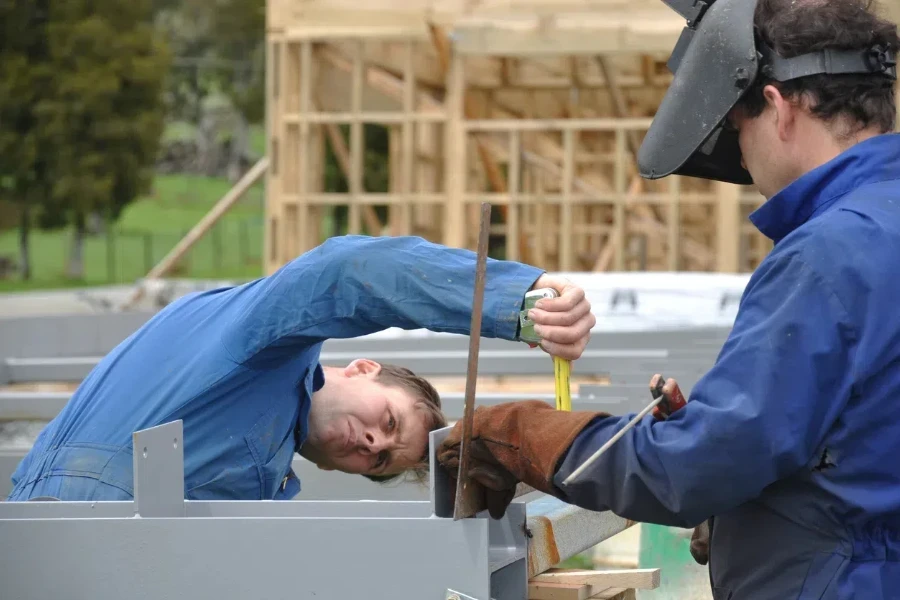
(557, 530)
(67, 335)
(97, 334)
(39, 406)
(222, 551)
(619, 398)
(443, 363)
(316, 484)
(237, 558)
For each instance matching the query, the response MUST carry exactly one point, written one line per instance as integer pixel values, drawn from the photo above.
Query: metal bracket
(159, 470)
(443, 490)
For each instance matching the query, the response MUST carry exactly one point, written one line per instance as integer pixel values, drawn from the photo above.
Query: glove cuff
(530, 438)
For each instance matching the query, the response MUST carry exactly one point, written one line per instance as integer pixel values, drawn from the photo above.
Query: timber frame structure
(535, 106)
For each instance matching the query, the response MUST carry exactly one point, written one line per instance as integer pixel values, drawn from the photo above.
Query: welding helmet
(717, 58)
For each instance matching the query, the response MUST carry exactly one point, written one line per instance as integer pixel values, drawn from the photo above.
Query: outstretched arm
(355, 285)
(759, 415)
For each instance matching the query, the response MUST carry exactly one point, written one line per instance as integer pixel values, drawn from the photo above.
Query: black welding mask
(717, 58)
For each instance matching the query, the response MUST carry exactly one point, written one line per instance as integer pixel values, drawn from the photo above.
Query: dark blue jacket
(239, 365)
(792, 440)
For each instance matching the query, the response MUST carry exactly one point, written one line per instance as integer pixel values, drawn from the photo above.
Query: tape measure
(561, 367)
(561, 370)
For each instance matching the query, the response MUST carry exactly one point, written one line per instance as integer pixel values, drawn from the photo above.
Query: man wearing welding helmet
(789, 447)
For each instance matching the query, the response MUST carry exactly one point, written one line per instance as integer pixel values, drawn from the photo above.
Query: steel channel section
(234, 558)
(223, 550)
(38, 406)
(96, 335)
(628, 392)
(617, 398)
(558, 531)
(316, 483)
(424, 362)
(148, 549)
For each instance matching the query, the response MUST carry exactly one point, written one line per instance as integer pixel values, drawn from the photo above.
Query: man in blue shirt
(789, 445)
(240, 367)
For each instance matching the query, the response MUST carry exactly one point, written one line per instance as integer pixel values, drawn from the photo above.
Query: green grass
(148, 229)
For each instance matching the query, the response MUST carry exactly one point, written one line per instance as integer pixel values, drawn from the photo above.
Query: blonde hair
(428, 400)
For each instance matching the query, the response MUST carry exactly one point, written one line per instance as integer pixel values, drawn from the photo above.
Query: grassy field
(149, 228)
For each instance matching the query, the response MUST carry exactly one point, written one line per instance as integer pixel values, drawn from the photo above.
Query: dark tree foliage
(81, 111)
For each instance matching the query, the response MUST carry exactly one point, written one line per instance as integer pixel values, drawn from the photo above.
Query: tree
(81, 111)
(25, 79)
(105, 113)
(240, 36)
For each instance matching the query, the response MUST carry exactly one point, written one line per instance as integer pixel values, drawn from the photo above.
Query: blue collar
(873, 160)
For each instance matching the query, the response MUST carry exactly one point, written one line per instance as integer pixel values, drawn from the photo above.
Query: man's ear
(362, 367)
(783, 111)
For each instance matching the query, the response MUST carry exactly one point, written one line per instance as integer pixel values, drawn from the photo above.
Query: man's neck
(823, 143)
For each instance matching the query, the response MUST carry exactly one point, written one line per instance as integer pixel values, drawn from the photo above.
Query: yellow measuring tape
(561, 366)
(561, 370)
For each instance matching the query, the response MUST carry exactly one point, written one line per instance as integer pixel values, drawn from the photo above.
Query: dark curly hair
(795, 27)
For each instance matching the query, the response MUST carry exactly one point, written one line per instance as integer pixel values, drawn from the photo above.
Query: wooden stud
(408, 151)
(619, 225)
(513, 234)
(674, 237)
(573, 170)
(300, 228)
(274, 110)
(455, 154)
(357, 142)
(566, 259)
(728, 236)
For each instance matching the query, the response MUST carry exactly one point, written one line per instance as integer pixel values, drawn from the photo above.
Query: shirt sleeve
(780, 381)
(355, 285)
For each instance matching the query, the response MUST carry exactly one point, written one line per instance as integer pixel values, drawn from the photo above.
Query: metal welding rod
(673, 401)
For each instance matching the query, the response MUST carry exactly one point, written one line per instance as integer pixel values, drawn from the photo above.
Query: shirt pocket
(271, 443)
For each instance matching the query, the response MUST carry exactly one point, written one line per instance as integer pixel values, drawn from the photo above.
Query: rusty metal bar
(558, 531)
(467, 491)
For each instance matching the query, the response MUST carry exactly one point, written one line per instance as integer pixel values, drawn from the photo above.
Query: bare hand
(564, 323)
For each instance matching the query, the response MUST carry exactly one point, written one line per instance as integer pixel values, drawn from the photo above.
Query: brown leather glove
(700, 543)
(513, 442)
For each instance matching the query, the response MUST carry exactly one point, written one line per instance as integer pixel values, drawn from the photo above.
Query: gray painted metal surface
(237, 550)
(616, 398)
(557, 529)
(159, 471)
(316, 484)
(239, 558)
(65, 348)
(424, 362)
(227, 550)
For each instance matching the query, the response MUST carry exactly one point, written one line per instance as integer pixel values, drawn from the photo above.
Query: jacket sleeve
(780, 381)
(355, 285)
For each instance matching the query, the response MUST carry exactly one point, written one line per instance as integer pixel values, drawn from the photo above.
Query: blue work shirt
(791, 441)
(239, 366)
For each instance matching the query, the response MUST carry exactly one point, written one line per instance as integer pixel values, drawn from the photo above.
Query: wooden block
(615, 594)
(577, 584)
(566, 591)
(643, 579)
(560, 591)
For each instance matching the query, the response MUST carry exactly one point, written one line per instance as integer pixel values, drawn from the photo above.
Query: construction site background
(272, 126)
